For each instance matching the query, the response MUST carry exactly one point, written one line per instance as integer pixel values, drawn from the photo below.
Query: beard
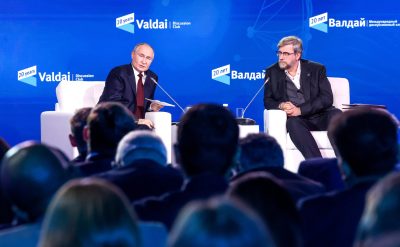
(283, 65)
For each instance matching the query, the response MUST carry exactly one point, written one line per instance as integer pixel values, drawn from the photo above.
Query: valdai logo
(28, 76)
(318, 22)
(128, 23)
(221, 74)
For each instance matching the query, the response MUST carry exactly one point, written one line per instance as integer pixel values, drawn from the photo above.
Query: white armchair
(73, 95)
(275, 125)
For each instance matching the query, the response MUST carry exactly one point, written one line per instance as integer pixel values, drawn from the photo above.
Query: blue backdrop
(74, 39)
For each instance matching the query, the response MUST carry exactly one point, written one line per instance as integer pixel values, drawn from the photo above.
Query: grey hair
(140, 44)
(292, 40)
(140, 144)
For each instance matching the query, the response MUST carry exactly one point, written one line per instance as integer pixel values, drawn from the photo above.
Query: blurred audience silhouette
(218, 223)
(267, 196)
(365, 142)
(261, 152)
(78, 123)
(107, 123)
(205, 150)
(141, 167)
(380, 222)
(31, 174)
(89, 212)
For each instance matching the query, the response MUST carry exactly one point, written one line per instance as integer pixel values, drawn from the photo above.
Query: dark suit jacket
(165, 209)
(94, 163)
(313, 82)
(331, 220)
(144, 178)
(121, 87)
(297, 186)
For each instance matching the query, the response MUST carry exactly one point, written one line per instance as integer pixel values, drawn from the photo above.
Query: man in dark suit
(122, 84)
(301, 89)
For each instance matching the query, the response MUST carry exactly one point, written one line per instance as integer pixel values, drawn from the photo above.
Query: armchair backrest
(340, 91)
(73, 95)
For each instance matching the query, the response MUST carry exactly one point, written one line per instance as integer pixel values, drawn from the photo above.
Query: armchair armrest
(54, 130)
(275, 126)
(162, 127)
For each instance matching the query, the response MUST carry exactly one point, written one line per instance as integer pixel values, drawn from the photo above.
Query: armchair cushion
(73, 95)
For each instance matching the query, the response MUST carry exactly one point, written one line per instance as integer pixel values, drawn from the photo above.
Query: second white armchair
(275, 125)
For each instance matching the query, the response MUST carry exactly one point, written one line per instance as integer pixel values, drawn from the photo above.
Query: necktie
(139, 109)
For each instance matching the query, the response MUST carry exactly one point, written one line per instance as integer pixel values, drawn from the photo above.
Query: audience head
(31, 174)
(365, 141)
(259, 150)
(263, 193)
(207, 140)
(89, 212)
(141, 145)
(4, 147)
(107, 123)
(6, 213)
(381, 214)
(78, 122)
(217, 223)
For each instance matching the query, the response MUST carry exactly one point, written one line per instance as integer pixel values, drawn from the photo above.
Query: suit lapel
(305, 80)
(282, 84)
(132, 80)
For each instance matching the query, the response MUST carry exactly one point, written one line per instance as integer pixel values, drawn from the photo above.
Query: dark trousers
(299, 130)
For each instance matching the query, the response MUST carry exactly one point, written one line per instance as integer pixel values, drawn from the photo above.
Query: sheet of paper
(160, 102)
(359, 105)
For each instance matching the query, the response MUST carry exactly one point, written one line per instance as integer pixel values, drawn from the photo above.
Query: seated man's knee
(293, 121)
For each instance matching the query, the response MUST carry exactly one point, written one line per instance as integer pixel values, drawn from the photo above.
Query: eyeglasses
(284, 54)
(148, 58)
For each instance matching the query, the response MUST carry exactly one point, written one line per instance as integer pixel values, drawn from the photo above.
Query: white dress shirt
(296, 78)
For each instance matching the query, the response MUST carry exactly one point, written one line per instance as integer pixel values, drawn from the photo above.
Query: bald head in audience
(141, 145)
